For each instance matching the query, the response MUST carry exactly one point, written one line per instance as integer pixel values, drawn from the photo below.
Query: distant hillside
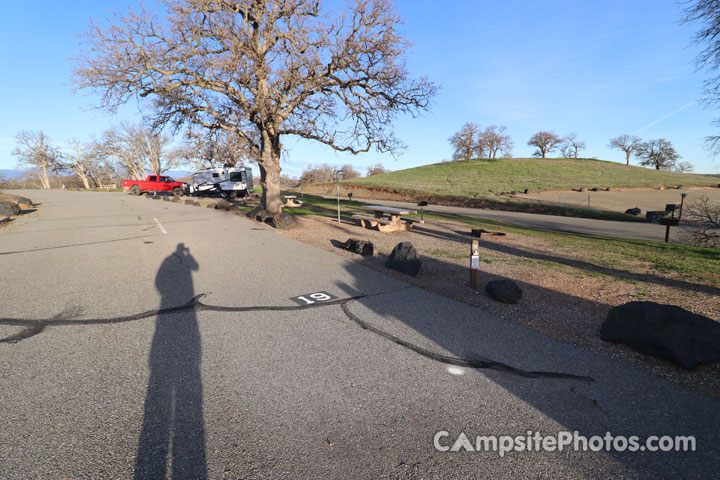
(479, 178)
(8, 173)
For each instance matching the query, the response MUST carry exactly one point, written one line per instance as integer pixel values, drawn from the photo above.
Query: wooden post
(474, 263)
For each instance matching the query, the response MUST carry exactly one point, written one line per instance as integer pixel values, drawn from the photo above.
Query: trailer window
(216, 175)
(237, 177)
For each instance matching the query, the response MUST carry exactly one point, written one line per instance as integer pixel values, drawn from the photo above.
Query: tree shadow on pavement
(580, 390)
(173, 427)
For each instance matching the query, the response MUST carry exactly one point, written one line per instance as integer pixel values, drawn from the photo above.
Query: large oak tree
(262, 70)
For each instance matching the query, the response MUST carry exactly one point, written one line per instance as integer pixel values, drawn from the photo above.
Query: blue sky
(599, 69)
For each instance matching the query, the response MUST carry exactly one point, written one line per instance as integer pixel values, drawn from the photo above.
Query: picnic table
(387, 219)
(292, 201)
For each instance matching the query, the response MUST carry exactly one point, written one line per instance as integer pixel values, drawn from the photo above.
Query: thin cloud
(666, 116)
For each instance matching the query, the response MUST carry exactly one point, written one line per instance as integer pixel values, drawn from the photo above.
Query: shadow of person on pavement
(173, 428)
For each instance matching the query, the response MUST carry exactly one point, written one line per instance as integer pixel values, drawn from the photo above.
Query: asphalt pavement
(608, 228)
(142, 338)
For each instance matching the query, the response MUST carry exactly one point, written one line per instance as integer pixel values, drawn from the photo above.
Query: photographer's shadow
(173, 426)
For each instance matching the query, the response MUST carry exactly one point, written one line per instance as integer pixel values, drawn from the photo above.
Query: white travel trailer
(226, 181)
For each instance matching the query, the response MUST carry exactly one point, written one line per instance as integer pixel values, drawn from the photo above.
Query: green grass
(479, 178)
(607, 253)
(696, 263)
(479, 183)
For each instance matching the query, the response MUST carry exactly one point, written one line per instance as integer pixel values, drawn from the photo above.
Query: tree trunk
(44, 177)
(84, 179)
(270, 174)
(627, 158)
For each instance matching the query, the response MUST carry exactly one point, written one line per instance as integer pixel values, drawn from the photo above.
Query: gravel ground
(564, 301)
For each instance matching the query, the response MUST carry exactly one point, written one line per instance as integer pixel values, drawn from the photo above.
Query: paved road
(621, 200)
(639, 231)
(156, 340)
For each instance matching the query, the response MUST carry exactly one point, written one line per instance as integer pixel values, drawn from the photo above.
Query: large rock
(405, 259)
(361, 247)
(224, 205)
(504, 291)
(665, 331)
(9, 209)
(634, 211)
(281, 221)
(22, 202)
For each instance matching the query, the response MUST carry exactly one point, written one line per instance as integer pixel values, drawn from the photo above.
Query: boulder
(189, 202)
(361, 247)
(405, 259)
(224, 205)
(281, 221)
(505, 291)
(22, 202)
(257, 213)
(608, 189)
(9, 209)
(666, 331)
(175, 199)
(514, 192)
(528, 191)
(4, 220)
(681, 187)
(634, 211)
(166, 199)
(595, 189)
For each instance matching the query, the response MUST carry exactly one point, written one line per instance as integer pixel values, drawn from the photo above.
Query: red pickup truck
(155, 183)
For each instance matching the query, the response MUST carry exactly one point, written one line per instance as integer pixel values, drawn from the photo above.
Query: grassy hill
(482, 178)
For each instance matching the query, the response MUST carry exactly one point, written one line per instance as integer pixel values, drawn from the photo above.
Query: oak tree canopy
(261, 70)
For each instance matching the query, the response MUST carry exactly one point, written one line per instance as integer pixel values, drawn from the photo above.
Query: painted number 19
(315, 297)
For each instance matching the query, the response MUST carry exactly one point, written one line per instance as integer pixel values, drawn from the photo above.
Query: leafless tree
(628, 144)
(138, 150)
(658, 153)
(683, 167)
(35, 150)
(706, 13)
(261, 70)
(212, 148)
(570, 146)
(349, 172)
(377, 169)
(83, 159)
(465, 142)
(318, 174)
(494, 141)
(704, 216)
(545, 142)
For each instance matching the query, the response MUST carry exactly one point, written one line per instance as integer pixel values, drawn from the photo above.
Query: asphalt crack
(35, 327)
(477, 361)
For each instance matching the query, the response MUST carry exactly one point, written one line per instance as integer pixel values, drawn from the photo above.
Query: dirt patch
(566, 299)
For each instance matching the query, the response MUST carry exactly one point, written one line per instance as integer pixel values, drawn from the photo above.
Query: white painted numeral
(320, 297)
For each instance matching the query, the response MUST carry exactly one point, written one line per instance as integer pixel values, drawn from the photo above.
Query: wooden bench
(108, 187)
